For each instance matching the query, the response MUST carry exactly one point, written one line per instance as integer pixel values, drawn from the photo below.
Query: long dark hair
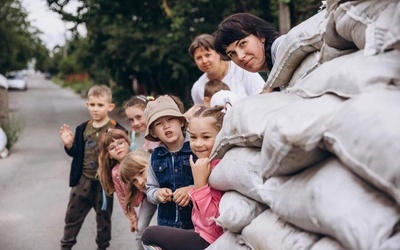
(240, 25)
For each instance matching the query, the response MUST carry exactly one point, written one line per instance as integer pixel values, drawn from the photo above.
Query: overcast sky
(48, 21)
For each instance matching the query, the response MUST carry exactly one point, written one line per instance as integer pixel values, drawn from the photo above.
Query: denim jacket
(173, 171)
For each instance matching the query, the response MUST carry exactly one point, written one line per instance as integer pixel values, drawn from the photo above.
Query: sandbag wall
(317, 166)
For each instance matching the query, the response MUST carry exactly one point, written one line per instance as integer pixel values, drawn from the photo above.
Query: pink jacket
(120, 190)
(205, 210)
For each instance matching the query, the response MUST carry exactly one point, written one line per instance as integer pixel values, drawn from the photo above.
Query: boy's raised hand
(164, 195)
(201, 171)
(66, 136)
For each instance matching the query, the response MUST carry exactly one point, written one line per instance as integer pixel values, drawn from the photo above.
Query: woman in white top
(243, 83)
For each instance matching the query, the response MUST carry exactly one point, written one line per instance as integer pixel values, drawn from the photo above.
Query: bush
(13, 130)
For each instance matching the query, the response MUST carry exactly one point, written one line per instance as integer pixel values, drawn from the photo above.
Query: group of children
(171, 180)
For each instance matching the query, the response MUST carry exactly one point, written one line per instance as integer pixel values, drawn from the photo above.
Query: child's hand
(201, 171)
(134, 226)
(181, 196)
(164, 195)
(67, 136)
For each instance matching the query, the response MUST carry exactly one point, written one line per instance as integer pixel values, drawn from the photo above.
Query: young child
(211, 87)
(114, 148)
(169, 176)
(134, 111)
(217, 93)
(203, 128)
(86, 191)
(133, 171)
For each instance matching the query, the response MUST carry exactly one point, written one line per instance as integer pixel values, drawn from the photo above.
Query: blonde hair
(213, 86)
(106, 164)
(100, 90)
(135, 162)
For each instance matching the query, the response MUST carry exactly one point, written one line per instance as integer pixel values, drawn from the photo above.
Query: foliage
(13, 130)
(19, 41)
(147, 41)
(80, 88)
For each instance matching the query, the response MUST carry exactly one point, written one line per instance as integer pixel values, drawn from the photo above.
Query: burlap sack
(329, 199)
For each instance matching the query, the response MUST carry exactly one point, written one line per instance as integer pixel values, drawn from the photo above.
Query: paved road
(34, 178)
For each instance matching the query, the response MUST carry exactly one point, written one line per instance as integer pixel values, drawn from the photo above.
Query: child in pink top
(203, 127)
(114, 148)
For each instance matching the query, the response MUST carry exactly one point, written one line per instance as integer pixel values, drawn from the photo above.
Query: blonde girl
(134, 111)
(133, 171)
(203, 128)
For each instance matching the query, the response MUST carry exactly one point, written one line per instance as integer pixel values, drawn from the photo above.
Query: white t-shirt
(242, 82)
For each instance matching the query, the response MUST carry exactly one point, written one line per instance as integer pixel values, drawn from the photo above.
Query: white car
(17, 80)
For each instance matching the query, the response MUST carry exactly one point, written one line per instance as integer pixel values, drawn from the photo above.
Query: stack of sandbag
(316, 165)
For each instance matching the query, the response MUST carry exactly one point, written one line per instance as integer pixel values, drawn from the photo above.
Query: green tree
(148, 40)
(19, 41)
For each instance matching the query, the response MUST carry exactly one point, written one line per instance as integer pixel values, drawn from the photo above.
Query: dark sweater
(77, 152)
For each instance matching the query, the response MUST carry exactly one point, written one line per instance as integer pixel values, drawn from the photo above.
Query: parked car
(17, 80)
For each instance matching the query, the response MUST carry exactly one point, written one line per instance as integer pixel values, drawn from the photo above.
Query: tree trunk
(284, 18)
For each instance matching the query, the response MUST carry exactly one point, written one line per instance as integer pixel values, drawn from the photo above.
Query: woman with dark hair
(241, 82)
(248, 40)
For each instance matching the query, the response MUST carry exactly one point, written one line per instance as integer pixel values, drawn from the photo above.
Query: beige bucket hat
(162, 106)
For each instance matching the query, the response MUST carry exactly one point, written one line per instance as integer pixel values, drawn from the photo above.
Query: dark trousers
(83, 197)
(172, 238)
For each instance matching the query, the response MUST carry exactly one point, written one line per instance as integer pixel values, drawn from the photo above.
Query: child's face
(118, 149)
(202, 135)
(136, 118)
(140, 180)
(99, 106)
(169, 130)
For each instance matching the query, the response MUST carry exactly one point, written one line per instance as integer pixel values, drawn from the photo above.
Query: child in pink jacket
(203, 128)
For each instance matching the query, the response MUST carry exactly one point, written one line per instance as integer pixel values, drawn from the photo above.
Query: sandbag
(365, 135)
(3, 144)
(238, 170)
(269, 232)
(362, 23)
(392, 37)
(350, 75)
(327, 243)
(309, 63)
(237, 211)
(294, 133)
(228, 240)
(244, 124)
(329, 199)
(300, 41)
